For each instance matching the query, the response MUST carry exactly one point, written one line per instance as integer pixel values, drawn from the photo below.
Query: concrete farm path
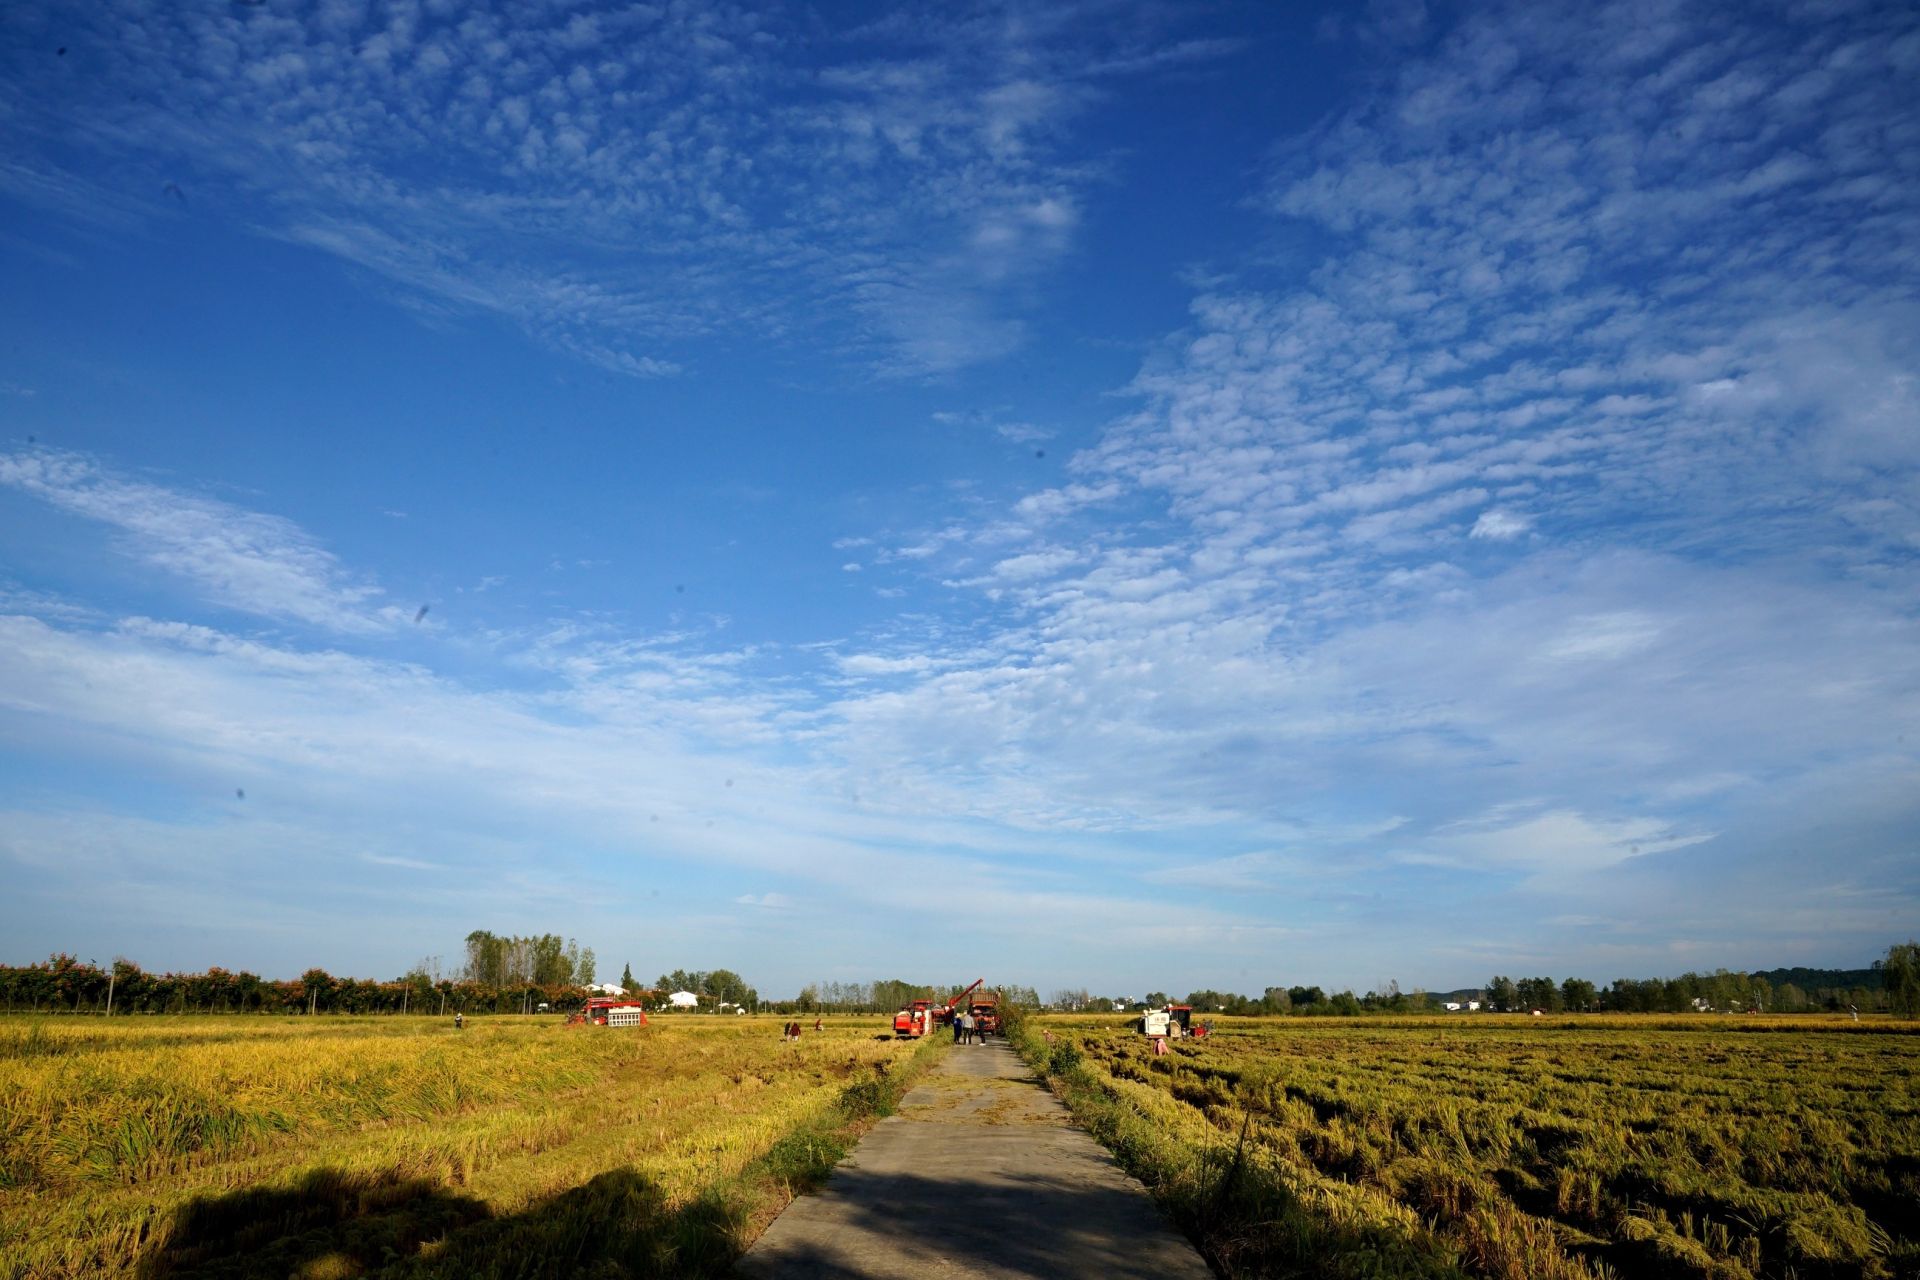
(980, 1174)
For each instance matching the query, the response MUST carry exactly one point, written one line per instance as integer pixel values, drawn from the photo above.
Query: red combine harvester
(610, 1011)
(911, 1022)
(921, 1016)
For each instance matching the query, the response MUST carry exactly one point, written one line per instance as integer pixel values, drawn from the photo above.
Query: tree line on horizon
(501, 973)
(1891, 985)
(885, 995)
(720, 986)
(63, 983)
(506, 974)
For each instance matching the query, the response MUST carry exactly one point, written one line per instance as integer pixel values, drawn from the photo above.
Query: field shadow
(330, 1221)
(337, 1224)
(1039, 1224)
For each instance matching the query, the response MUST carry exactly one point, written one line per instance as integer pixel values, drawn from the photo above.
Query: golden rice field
(1522, 1149)
(329, 1147)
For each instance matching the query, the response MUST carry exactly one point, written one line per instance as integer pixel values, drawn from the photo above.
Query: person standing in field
(959, 1025)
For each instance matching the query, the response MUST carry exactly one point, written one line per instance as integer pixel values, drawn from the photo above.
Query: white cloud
(238, 559)
(1034, 564)
(1555, 842)
(619, 182)
(405, 864)
(1499, 525)
(1241, 873)
(1604, 637)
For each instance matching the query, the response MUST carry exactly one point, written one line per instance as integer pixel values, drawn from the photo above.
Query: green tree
(1901, 973)
(1503, 994)
(1578, 993)
(725, 986)
(1538, 993)
(317, 985)
(627, 984)
(550, 959)
(486, 959)
(681, 980)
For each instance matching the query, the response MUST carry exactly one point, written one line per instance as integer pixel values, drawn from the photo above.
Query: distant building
(1453, 1006)
(684, 1000)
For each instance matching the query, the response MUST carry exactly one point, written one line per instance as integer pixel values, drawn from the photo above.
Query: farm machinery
(609, 1011)
(911, 1022)
(921, 1016)
(1171, 1023)
(986, 1012)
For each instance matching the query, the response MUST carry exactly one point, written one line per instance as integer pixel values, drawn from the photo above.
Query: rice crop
(400, 1146)
(1518, 1149)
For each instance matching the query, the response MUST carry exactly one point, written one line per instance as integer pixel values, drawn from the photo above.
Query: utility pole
(112, 973)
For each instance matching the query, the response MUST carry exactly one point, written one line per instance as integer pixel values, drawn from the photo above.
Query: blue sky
(1112, 495)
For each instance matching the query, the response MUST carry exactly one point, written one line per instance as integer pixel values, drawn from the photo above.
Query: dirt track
(981, 1174)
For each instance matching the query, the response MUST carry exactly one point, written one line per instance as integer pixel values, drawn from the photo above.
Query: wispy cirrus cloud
(239, 559)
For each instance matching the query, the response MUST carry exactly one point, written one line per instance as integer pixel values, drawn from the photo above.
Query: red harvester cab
(610, 1011)
(911, 1022)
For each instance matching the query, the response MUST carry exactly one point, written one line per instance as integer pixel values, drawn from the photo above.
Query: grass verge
(1248, 1214)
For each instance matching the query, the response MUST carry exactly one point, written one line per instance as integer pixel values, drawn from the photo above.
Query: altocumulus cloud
(1637, 286)
(615, 181)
